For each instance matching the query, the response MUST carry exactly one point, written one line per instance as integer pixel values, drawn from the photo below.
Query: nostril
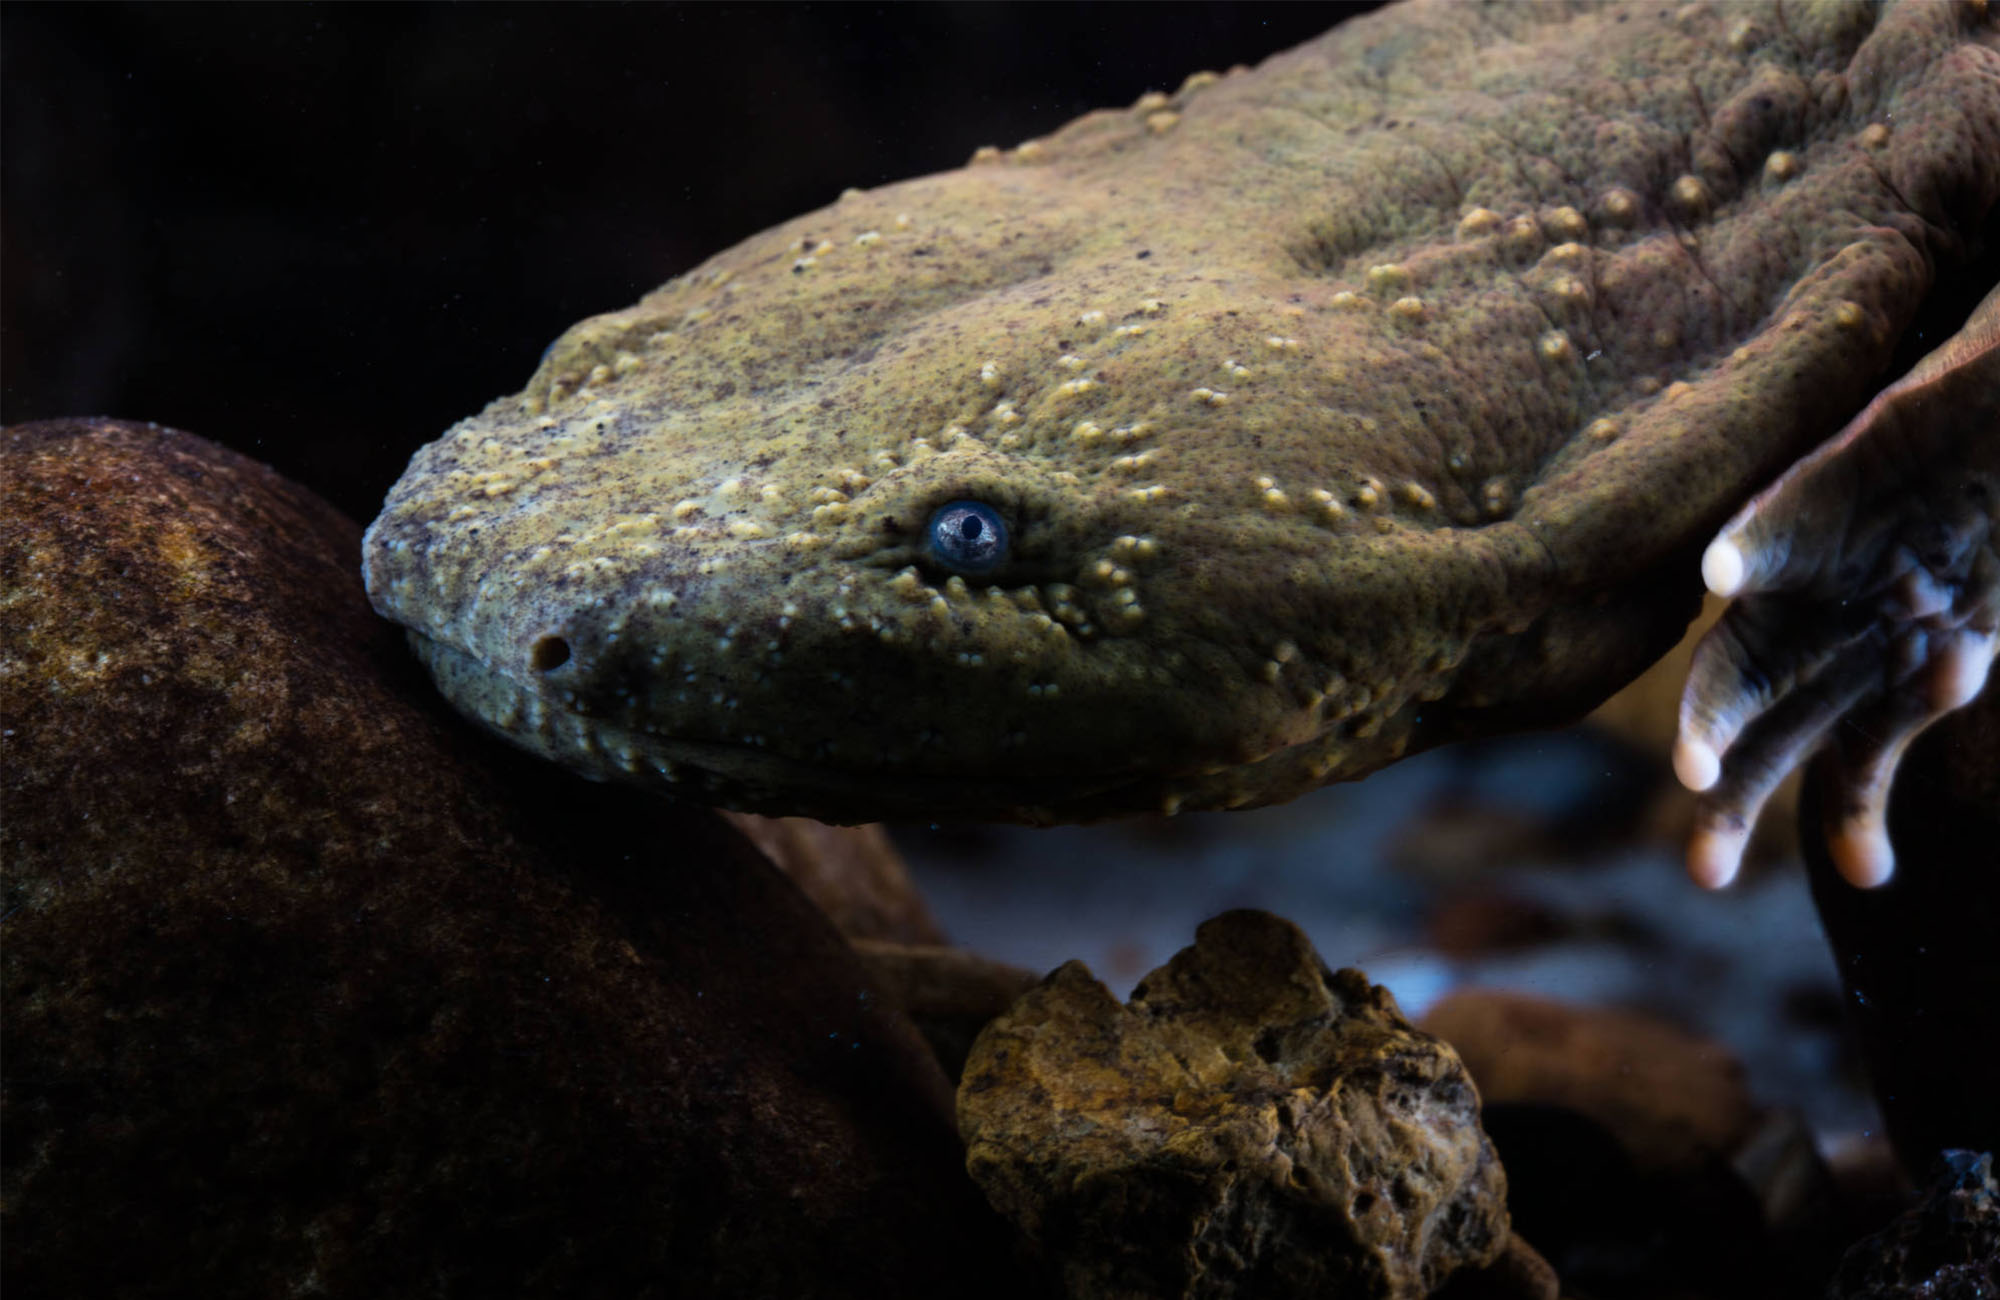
(549, 653)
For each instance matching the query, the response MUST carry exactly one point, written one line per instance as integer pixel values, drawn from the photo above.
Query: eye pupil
(968, 537)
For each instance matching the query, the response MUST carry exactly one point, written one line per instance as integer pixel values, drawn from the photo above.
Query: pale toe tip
(1861, 853)
(1715, 855)
(1696, 764)
(1722, 567)
(1961, 671)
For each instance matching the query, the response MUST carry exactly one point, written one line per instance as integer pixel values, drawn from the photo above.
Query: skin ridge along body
(1376, 397)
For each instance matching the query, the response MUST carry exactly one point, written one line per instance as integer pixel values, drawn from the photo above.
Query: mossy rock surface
(1250, 1124)
(310, 990)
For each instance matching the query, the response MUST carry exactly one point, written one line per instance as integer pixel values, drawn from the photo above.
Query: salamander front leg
(1865, 587)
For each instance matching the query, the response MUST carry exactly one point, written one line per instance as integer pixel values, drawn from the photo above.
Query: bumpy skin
(1380, 396)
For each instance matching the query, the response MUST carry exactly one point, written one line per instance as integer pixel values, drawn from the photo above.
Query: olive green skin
(1377, 397)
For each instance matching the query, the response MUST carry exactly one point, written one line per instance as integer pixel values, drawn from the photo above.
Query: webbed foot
(1866, 604)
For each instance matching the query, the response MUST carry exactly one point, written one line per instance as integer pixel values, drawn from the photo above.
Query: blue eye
(968, 537)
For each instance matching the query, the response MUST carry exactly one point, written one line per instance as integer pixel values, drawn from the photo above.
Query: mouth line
(759, 778)
(755, 778)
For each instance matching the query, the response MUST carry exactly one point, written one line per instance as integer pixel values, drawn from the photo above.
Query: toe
(1866, 597)
(1860, 851)
(1962, 666)
(1696, 763)
(1723, 566)
(1715, 852)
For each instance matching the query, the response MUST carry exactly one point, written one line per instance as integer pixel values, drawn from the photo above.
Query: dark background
(322, 233)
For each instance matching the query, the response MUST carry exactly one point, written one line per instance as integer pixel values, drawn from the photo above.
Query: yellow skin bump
(1376, 397)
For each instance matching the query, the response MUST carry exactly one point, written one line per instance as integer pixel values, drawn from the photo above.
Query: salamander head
(1013, 567)
(1203, 451)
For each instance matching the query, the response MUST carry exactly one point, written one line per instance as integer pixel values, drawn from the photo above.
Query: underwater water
(322, 235)
(1613, 923)
(319, 236)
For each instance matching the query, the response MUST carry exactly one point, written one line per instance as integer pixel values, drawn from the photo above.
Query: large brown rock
(310, 991)
(1250, 1124)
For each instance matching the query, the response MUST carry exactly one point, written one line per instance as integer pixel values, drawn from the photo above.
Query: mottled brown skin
(1380, 396)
